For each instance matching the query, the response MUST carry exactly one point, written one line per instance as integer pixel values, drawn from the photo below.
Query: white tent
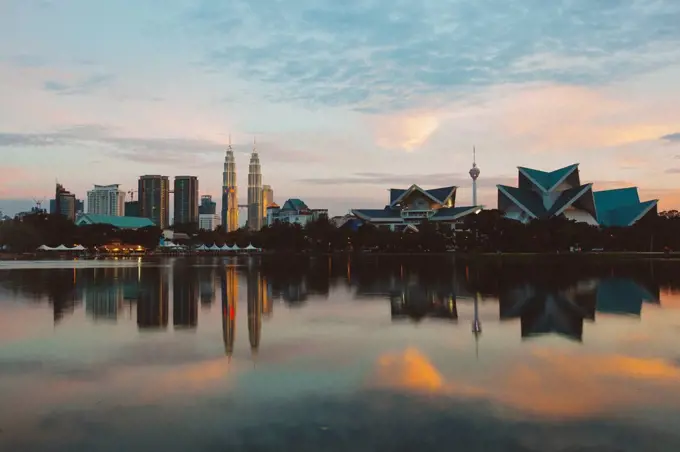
(45, 248)
(78, 248)
(225, 247)
(215, 248)
(235, 248)
(202, 248)
(62, 248)
(250, 247)
(169, 244)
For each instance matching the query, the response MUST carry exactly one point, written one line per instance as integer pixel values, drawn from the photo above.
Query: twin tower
(230, 206)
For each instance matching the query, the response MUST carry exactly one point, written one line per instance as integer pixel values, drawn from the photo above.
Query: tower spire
(474, 174)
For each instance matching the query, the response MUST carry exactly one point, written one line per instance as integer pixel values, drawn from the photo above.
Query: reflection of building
(103, 302)
(256, 293)
(229, 280)
(186, 200)
(154, 199)
(294, 211)
(206, 288)
(542, 194)
(254, 192)
(409, 207)
(417, 302)
(152, 305)
(184, 299)
(106, 200)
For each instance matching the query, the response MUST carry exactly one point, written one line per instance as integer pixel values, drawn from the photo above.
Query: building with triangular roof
(542, 194)
(413, 205)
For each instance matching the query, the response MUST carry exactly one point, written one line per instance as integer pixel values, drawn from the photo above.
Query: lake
(325, 354)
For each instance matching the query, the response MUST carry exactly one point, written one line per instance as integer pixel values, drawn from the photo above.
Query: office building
(207, 206)
(106, 200)
(548, 194)
(229, 192)
(132, 209)
(267, 200)
(208, 221)
(255, 213)
(64, 203)
(186, 200)
(154, 199)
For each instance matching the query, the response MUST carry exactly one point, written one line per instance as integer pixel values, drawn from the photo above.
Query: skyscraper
(186, 200)
(106, 200)
(267, 200)
(254, 192)
(154, 199)
(208, 206)
(64, 202)
(474, 174)
(229, 192)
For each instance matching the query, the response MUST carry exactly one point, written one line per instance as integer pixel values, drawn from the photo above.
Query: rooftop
(119, 222)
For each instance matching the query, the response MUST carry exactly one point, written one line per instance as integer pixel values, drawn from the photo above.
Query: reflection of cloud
(551, 383)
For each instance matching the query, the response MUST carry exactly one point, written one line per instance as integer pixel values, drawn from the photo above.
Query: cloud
(383, 55)
(193, 152)
(405, 132)
(672, 171)
(673, 137)
(85, 86)
(406, 180)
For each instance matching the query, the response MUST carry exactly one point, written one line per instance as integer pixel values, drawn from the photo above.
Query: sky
(345, 98)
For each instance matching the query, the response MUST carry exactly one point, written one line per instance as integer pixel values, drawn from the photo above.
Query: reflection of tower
(474, 174)
(254, 192)
(229, 300)
(476, 324)
(184, 300)
(267, 302)
(229, 192)
(152, 305)
(256, 290)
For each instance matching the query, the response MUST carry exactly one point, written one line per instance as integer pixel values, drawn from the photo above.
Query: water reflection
(550, 299)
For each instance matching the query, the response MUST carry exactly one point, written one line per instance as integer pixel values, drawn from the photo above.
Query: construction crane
(132, 194)
(38, 203)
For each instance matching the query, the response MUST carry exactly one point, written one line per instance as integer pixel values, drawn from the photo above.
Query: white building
(294, 211)
(106, 200)
(208, 221)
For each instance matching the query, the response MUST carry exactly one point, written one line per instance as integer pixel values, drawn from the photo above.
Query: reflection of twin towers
(259, 302)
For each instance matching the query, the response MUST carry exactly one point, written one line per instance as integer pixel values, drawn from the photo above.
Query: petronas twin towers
(230, 204)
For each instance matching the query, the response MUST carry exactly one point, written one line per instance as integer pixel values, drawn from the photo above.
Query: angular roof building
(412, 205)
(541, 195)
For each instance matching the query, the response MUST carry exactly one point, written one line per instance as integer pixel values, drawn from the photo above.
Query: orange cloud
(407, 132)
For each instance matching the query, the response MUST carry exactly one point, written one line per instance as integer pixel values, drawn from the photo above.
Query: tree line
(487, 231)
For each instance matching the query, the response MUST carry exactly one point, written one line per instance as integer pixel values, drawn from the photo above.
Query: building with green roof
(546, 194)
(118, 222)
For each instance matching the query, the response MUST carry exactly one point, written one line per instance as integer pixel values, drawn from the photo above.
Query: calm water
(326, 354)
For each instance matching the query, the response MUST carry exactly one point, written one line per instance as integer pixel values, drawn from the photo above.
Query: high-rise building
(267, 200)
(255, 212)
(208, 221)
(229, 192)
(474, 174)
(208, 206)
(186, 200)
(154, 199)
(106, 200)
(64, 203)
(132, 209)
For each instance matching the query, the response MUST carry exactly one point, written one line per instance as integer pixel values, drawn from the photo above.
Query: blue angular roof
(378, 214)
(568, 197)
(119, 222)
(441, 194)
(294, 204)
(395, 193)
(547, 180)
(620, 207)
(528, 199)
(453, 212)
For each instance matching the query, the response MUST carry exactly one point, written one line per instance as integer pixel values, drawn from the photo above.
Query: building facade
(255, 217)
(106, 200)
(208, 221)
(207, 206)
(547, 194)
(411, 206)
(154, 199)
(267, 200)
(229, 192)
(294, 211)
(132, 209)
(186, 200)
(64, 202)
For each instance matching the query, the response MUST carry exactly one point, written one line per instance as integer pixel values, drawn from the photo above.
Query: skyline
(346, 100)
